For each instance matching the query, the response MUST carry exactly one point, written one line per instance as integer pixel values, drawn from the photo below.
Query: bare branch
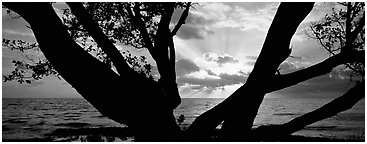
(286, 80)
(182, 19)
(319, 39)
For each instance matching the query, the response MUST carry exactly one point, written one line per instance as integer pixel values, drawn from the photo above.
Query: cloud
(226, 59)
(192, 32)
(318, 13)
(319, 10)
(292, 64)
(205, 92)
(209, 87)
(213, 11)
(288, 67)
(251, 57)
(222, 63)
(204, 79)
(206, 82)
(195, 27)
(192, 18)
(251, 63)
(220, 59)
(202, 74)
(251, 6)
(217, 71)
(234, 78)
(185, 66)
(252, 60)
(210, 72)
(299, 37)
(341, 72)
(229, 15)
(208, 16)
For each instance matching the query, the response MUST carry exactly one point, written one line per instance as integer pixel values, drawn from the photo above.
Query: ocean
(24, 119)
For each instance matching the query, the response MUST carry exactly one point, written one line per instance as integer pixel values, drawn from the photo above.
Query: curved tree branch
(340, 104)
(283, 81)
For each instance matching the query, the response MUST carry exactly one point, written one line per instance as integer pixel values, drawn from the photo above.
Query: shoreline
(124, 134)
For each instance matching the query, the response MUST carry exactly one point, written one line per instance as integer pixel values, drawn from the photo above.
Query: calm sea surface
(35, 118)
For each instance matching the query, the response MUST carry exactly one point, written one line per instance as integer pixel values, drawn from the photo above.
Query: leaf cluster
(139, 64)
(25, 72)
(19, 45)
(337, 28)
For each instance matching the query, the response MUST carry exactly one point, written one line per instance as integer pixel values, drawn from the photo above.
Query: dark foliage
(342, 31)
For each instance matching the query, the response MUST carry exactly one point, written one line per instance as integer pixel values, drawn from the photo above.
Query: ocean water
(37, 118)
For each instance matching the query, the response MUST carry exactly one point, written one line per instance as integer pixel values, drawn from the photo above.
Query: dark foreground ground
(115, 134)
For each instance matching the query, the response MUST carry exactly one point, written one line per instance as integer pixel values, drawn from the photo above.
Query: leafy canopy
(115, 22)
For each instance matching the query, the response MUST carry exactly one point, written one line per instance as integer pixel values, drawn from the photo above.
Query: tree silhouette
(128, 97)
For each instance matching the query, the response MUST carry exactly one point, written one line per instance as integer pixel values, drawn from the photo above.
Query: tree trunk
(159, 51)
(120, 98)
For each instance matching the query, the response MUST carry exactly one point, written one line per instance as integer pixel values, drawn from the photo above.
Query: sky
(215, 51)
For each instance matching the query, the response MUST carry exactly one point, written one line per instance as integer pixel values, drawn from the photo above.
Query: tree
(97, 26)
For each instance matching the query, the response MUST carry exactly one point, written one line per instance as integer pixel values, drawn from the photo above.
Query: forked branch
(93, 29)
